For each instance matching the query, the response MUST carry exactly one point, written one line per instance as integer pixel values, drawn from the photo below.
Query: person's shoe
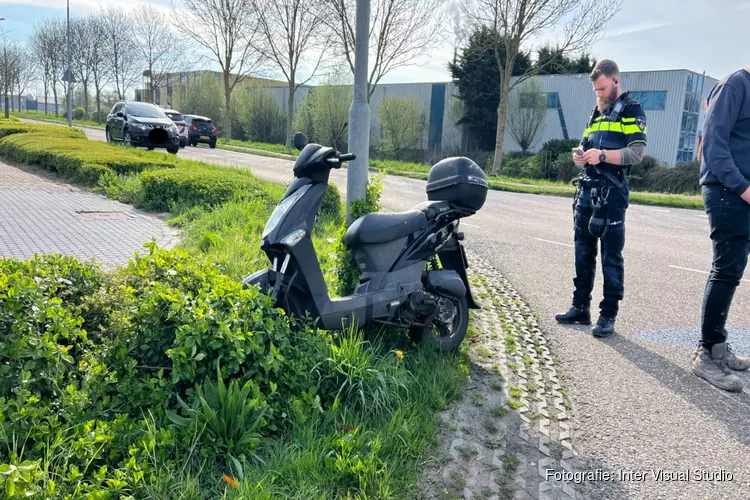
(713, 366)
(735, 362)
(576, 314)
(605, 327)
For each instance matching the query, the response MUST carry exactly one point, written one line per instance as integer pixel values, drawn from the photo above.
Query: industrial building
(672, 99)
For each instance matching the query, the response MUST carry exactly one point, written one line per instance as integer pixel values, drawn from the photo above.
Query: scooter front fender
(264, 279)
(453, 257)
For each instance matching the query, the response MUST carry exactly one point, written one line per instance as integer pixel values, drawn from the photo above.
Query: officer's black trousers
(586, 250)
(729, 221)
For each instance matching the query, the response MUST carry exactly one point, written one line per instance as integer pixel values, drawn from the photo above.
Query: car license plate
(204, 137)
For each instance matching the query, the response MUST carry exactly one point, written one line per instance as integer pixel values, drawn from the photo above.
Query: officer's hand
(746, 195)
(592, 156)
(579, 160)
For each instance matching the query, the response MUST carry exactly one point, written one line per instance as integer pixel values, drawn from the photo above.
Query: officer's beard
(605, 103)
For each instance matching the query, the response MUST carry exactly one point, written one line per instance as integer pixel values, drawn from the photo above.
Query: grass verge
(500, 183)
(166, 379)
(50, 117)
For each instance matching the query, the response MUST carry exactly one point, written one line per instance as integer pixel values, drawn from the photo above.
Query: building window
(689, 124)
(157, 97)
(553, 100)
(655, 100)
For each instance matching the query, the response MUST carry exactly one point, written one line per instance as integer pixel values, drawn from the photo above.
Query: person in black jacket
(725, 180)
(614, 140)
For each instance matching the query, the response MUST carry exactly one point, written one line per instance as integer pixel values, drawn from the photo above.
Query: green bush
(79, 113)
(86, 354)
(330, 205)
(681, 179)
(77, 158)
(555, 147)
(565, 169)
(347, 271)
(188, 186)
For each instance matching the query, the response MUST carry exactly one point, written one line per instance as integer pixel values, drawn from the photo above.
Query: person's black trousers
(729, 222)
(586, 250)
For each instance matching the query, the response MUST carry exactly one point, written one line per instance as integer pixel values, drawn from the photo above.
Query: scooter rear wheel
(445, 336)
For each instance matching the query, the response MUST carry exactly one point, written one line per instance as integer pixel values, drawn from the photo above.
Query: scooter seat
(381, 228)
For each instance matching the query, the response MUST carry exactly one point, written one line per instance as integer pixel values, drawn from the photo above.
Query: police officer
(614, 140)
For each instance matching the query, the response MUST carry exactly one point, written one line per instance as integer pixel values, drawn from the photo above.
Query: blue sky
(710, 36)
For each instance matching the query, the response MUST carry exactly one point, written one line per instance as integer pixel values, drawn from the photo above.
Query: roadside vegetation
(164, 378)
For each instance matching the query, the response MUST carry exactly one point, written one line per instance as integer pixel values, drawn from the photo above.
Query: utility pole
(69, 72)
(359, 112)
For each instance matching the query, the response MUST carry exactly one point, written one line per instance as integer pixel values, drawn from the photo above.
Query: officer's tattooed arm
(633, 154)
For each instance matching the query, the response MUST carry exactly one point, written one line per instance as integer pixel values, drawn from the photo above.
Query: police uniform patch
(641, 122)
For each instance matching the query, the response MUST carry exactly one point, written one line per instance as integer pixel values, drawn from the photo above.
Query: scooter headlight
(280, 211)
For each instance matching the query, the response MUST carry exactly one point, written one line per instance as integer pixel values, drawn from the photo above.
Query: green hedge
(195, 184)
(76, 158)
(14, 126)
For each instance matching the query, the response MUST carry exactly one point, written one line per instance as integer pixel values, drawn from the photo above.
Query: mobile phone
(578, 151)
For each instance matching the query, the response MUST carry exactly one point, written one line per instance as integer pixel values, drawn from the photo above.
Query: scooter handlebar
(347, 157)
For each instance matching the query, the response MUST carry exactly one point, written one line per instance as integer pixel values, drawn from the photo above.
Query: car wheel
(173, 150)
(128, 139)
(150, 148)
(108, 135)
(212, 145)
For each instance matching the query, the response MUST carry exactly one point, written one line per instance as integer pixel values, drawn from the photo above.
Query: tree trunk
(290, 113)
(85, 101)
(98, 105)
(54, 93)
(502, 111)
(46, 95)
(227, 107)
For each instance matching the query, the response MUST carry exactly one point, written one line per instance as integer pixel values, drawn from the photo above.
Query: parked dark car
(200, 129)
(142, 124)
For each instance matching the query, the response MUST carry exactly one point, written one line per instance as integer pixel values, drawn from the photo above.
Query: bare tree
(119, 55)
(517, 22)
(292, 30)
(82, 48)
(24, 73)
(42, 61)
(228, 30)
(160, 49)
(527, 108)
(8, 61)
(100, 70)
(55, 37)
(401, 31)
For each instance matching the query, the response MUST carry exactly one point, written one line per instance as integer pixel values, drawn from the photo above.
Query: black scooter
(412, 264)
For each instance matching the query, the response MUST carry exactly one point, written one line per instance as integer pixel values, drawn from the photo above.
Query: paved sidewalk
(41, 216)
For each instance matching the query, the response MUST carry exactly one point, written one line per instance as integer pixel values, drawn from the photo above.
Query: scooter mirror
(300, 140)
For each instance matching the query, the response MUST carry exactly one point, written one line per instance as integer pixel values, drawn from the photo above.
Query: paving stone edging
(512, 431)
(526, 363)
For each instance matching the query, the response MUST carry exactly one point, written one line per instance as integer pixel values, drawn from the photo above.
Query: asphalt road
(636, 404)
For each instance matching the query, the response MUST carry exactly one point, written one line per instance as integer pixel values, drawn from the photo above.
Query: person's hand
(579, 160)
(592, 156)
(746, 195)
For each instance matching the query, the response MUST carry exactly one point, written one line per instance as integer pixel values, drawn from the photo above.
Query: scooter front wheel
(296, 305)
(449, 326)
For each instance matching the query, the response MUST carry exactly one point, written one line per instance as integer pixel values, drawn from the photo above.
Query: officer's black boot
(605, 327)
(576, 314)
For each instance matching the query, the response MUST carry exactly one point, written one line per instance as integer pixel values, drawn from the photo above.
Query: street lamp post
(359, 112)
(69, 72)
